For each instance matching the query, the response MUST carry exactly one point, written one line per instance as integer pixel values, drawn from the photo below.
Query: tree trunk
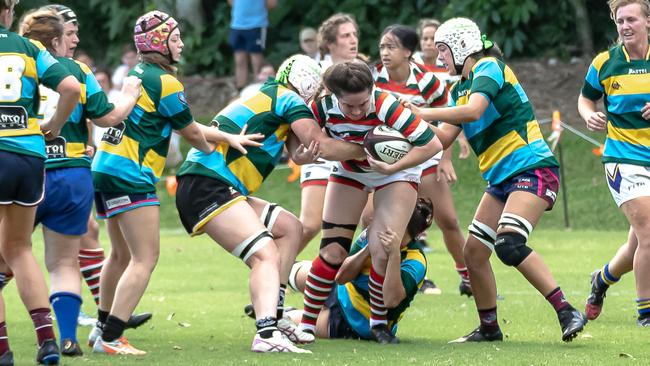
(583, 27)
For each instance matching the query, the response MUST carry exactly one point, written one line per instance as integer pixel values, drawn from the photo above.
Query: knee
(267, 255)
(310, 230)
(333, 254)
(480, 244)
(511, 248)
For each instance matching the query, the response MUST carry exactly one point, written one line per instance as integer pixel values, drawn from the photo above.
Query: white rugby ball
(386, 144)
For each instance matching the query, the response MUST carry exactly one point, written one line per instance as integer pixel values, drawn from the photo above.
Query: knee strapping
(516, 223)
(345, 243)
(511, 248)
(252, 244)
(330, 225)
(269, 214)
(483, 233)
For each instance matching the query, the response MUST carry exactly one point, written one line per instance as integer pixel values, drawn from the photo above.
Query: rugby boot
(429, 288)
(293, 332)
(48, 353)
(594, 304)
(382, 335)
(481, 334)
(137, 320)
(643, 321)
(276, 343)
(7, 359)
(572, 322)
(465, 288)
(120, 346)
(70, 348)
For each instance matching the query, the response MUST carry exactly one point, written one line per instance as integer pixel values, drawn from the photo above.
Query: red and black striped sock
(91, 262)
(42, 319)
(317, 288)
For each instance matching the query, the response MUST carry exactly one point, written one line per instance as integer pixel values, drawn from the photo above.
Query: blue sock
(66, 306)
(643, 307)
(606, 278)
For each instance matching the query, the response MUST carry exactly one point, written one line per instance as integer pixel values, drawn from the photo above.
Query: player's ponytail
(42, 25)
(160, 60)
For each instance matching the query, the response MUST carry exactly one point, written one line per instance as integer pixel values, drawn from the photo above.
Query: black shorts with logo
(200, 198)
(22, 177)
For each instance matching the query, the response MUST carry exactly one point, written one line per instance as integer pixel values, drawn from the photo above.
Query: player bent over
(214, 191)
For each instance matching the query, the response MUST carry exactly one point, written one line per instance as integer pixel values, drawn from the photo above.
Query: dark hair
(406, 36)
(160, 60)
(348, 77)
(421, 218)
(329, 29)
(492, 51)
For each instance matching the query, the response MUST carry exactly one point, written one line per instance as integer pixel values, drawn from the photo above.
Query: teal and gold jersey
(507, 138)
(353, 296)
(625, 86)
(24, 64)
(270, 112)
(131, 156)
(69, 149)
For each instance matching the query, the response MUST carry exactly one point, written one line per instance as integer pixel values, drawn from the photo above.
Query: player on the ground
(354, 108)
(408, 81)
(68, 181)
(620, 76)
(492, 108)
(346, 312)
(214, 192)
(25, 64)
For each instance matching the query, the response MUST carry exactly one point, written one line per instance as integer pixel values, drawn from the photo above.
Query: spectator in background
(103, 77)
(83, 56)
(249, 20)
(309, 43)
(267, 71)
(129, 60)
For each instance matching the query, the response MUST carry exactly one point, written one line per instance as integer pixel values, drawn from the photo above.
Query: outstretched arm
(307, 130)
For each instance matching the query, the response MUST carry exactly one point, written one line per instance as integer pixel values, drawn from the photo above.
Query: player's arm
(301, 154)
(595, 120)
(352, 266)
(470, 112)
(215, 135)
(307, 130)
(69, 91)
(394, 291)
(446, 133)
(124, 103)
(193, 134)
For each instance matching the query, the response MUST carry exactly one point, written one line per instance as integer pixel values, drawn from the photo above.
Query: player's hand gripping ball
(386, 144)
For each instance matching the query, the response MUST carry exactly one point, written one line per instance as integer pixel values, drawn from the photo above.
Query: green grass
(205, 287)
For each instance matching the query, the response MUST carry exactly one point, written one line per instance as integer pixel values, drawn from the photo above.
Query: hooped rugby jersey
(131, 156)
(437, 69)
(24, 64)
(422, 88)
(270, 111)
(625, 86)
(506, 139)
(385, 109)
(354, 299)
(69, 149)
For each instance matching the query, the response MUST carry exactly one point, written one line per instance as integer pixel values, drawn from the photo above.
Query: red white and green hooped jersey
(422, 88)
(24, 64)
(385, 109)
(69, 149)
(131, 157)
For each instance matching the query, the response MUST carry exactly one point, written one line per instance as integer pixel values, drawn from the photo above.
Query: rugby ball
(386, 144)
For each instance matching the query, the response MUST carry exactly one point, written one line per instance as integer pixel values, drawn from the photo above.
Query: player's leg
(477, 252)
(313, 182)
(344, 201)
(256, 47)
(610, 274)
(6, 356)
(91, 258)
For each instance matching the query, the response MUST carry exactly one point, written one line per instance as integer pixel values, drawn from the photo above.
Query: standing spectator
(309, 43)
(129, 60)
(249, 20)
(266, 71)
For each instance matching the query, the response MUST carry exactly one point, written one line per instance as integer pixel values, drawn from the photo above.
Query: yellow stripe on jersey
(75, 149)
(128, 148)
(170, 85)
(463, 100)
(414, 255)
(154, 162)
(510, 76)
(358, 302)
(32, 129)
(534, 133)
(507, 144)
(282, 132)
(247, 173)
(82, 97)
(626, 84)
(260, 103)
(600, 60)
(145, 101)
(639, 136)
(83, 67)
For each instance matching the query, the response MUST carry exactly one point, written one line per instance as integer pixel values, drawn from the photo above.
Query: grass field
(198, 291)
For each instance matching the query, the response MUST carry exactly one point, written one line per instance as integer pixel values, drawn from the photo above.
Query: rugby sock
(462, 272)
(376, 291)
(317, 288)
(4, 340)
(556, 298)
(488, 318)
(113, 329)
(266, 326)
(102, 317)
(643, 307)
(605, 278)
(280, 308)
(90, 264)
(42, 319)
(66, 306)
